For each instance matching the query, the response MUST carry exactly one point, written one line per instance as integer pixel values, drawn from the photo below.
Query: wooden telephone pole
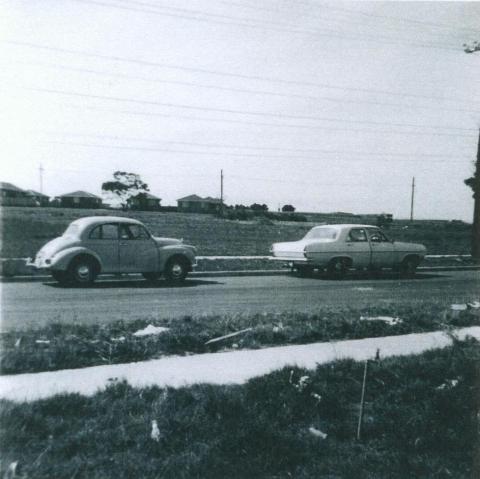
(474, 183)
(412, 200)
(221, 192)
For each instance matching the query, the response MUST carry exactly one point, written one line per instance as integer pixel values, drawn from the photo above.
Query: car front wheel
(337, 268)
(408, 267)
(82, 271)
(176, 270)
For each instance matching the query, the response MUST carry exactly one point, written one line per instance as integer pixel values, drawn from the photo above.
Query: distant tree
(288, 208)
(123, 188)
(384, 220)
(258, 207)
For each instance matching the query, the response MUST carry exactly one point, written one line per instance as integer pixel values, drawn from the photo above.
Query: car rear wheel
(82, 271)
(337, 268)
(176, 270)
(408, 267)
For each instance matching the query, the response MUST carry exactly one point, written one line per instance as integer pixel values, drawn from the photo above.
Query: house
(145, 202)
(11, 195)
(79, 199)
(196, 204)
(39, 198)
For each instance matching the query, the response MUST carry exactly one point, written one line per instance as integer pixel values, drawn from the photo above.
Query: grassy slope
(416, 424)
(73, 346)
(25, 230)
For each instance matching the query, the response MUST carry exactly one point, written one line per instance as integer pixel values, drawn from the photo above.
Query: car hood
(166, 241)
(416, 247)
(53, 247)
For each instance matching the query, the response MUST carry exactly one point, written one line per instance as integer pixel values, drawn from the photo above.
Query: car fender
(62, 259)
(167, 252)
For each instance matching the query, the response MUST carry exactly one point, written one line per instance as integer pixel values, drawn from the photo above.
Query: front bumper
(289, 259)
(38, 263)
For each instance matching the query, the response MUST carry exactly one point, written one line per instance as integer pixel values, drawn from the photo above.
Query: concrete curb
(216, 274)
(236, 367)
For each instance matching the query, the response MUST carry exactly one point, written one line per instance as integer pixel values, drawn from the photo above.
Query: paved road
(27, 304)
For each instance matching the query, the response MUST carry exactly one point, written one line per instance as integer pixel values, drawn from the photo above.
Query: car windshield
(322, 233)
(72, 230)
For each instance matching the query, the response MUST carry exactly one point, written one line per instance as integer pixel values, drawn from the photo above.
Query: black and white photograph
(239, 239)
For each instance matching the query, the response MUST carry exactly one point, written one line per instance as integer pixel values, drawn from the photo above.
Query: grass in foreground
(421, 420)
(62, 346)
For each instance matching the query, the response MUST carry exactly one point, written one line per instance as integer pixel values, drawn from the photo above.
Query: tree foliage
(124, 187)
(259, 207)
(288, 208)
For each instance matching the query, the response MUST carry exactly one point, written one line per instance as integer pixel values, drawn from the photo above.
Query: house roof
(10, 187)
(79, 194)
(36, 193)
(190, 198)
(198, 198)
(149, 196)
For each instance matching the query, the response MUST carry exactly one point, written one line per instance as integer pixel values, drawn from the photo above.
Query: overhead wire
(235, 75)
(244, 90)
(240, 112)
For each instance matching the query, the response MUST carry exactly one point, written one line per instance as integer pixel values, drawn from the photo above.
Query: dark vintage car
(109, 244)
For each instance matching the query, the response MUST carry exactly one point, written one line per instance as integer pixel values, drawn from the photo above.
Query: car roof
(95, 220)
(349, 225)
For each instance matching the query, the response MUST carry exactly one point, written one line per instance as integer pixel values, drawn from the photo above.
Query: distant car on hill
(110, 244)
(338, 248)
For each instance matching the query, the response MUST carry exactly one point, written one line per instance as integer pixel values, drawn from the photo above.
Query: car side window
(109, 232)
(378, 237)
(96, 233)
(133, 232)
(357, 235)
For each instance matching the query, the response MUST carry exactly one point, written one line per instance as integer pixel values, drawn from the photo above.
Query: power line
(244, 90)
(276, 125)
(256, 148)
(398, 19)
(223, 155)
(281, 30)
(231, 75)
(239, 112)
(343, 20)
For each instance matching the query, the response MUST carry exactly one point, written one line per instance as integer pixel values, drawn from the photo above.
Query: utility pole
(221, 192)
(40, 171)
(413, 198)
(474, 181)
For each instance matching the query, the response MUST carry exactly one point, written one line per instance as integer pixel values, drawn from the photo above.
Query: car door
(357, 247)
(103, 240)
(383, 250)
(138, 251)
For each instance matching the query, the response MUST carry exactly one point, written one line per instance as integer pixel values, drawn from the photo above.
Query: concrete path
(218, 368)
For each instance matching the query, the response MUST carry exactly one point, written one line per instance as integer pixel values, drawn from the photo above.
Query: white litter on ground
(473, 305)
(363, 288)
(232, 367)
(121, 339)
(150, 329)
(155, 434)
(386, 319)
(317, 433)
(458, 307)
(42, 341)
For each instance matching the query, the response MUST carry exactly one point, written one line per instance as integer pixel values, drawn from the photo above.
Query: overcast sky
(329, 106)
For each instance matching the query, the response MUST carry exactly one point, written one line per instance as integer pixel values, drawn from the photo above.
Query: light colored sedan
(111, 244)
(337, 248)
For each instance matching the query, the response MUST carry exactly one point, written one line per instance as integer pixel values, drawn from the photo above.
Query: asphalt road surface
(35, 304)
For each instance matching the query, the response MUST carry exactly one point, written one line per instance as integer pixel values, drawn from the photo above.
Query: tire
(176, 269)
(408, 267)
(151, 276)
(60, 276)
(83, 271)
(337, 268)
